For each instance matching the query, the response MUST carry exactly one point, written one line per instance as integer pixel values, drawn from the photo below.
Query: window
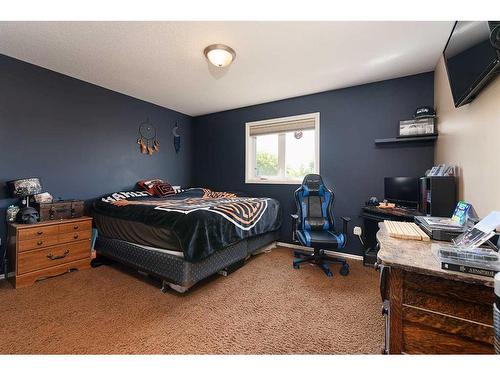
(282, 150)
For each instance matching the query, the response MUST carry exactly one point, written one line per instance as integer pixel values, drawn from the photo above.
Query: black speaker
(438, 195)
(495, 33)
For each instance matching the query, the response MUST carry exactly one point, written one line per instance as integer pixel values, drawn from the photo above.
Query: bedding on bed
(196, 221)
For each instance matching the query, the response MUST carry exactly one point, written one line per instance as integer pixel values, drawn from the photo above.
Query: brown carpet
(265, 307)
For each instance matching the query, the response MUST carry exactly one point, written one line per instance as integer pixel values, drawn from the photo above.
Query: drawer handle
(39, 232)
(75, 227)
(39, 243)
(54, 257)
(75, 236)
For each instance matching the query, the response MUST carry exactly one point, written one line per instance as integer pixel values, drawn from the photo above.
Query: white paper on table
(489, 223)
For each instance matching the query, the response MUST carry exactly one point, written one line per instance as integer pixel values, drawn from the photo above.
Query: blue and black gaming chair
(314, 225)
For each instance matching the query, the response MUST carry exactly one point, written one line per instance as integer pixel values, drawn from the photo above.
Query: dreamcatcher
(147, 138)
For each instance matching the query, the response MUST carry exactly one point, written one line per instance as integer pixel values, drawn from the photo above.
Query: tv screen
(471, 60)
(402, 190)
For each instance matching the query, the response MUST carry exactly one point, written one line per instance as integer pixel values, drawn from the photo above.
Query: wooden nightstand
(49, 248)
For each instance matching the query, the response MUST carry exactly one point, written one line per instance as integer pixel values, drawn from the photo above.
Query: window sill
(274, 182)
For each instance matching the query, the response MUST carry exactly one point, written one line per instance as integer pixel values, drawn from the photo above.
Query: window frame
(250, 149)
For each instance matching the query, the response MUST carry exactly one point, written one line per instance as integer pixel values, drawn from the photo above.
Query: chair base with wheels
(322, 260)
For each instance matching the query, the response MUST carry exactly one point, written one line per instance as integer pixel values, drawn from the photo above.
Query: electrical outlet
(357, 231)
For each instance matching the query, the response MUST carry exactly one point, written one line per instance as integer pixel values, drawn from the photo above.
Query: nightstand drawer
(52, 256)
(38, 232)
(75, 227)
(75, 236)
(37, 243)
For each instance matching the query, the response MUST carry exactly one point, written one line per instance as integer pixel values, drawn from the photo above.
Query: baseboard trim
(329, 252)
(266, 249)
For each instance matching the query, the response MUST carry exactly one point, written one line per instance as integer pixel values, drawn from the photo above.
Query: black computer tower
(438, 195)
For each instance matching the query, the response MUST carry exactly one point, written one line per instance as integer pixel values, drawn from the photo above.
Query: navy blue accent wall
(80, 139)
(350, 163)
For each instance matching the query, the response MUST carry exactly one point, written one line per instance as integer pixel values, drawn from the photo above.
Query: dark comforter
(197, 222)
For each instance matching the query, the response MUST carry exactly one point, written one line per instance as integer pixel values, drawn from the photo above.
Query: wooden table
(430, 310)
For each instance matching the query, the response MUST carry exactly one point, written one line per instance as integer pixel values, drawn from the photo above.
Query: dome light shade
(220, 55)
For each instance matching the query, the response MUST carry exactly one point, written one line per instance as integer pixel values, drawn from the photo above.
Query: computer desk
(372, 216)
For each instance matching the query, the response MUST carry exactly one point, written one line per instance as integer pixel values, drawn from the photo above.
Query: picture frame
(417, 128)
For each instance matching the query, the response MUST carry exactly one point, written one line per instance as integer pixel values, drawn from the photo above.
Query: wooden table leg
(396, 309)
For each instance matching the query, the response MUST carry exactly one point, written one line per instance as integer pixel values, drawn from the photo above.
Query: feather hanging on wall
(177, 138)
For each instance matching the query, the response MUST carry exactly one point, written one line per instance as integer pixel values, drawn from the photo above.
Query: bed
(185, 237)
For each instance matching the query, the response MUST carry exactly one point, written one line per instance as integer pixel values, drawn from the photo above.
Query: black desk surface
(402, 213)
(372, 216)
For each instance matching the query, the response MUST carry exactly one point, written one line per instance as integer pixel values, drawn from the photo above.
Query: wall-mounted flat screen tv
(471, 59)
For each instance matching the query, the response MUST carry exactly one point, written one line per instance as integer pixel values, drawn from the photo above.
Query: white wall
(469, 137)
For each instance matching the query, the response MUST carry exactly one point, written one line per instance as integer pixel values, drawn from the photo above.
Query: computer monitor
(402, 190)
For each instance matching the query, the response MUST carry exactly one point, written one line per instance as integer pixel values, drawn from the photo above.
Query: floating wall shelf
(386, 141)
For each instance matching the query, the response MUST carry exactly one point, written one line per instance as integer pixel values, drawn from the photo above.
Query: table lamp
(24, 189)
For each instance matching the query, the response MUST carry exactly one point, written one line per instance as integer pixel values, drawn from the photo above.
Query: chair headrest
(313, 185)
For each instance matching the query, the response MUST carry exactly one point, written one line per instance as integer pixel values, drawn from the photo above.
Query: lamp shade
(24, 187)
(220, 55)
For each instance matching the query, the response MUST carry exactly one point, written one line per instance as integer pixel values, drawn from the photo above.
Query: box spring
(174, 269)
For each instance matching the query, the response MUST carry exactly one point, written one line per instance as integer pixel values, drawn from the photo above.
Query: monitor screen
(403, 190)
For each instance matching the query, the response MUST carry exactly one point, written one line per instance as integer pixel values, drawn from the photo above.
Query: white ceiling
(163, 62)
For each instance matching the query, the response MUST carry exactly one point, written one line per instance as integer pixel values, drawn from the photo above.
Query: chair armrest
(295, 219)
(345, 221)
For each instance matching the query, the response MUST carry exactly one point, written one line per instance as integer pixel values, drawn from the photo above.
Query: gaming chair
(314, 225)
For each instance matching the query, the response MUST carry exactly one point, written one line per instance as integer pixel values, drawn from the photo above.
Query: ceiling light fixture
(220, 55)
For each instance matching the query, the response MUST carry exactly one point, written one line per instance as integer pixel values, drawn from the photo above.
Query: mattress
(197, 222)
(174, 253)
(136, 232)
